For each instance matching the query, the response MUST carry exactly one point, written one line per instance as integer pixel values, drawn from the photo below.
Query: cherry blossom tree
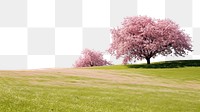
(142, 37)
(91, 58)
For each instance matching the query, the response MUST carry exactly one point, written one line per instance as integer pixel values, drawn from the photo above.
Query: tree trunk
(91, 64)
(148, 60)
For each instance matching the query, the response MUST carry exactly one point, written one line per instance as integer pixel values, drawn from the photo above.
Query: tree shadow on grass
(168, 64)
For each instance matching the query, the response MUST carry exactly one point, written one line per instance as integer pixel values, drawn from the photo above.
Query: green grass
(164, 64)
(101, 89)
(181, 74)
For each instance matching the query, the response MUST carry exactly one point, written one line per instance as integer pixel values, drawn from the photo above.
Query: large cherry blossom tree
(91, 58)
(142, 37)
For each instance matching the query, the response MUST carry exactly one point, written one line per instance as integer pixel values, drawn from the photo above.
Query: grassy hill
(164, 64)
(130, 88)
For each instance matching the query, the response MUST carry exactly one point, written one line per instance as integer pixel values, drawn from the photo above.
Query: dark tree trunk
(91, 64)
(148, 60)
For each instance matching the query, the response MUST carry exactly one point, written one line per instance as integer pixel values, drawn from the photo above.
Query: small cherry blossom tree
(91, 58)
(142, 37)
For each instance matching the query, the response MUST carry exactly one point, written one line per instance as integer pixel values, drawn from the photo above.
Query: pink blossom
(142, 37)
(91, 58)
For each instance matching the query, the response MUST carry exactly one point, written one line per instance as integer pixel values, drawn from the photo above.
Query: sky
(52, 33)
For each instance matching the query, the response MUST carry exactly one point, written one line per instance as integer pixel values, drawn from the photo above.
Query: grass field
(101, 89)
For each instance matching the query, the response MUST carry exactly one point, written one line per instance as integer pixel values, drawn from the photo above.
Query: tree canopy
(91, 58)
(142, 37)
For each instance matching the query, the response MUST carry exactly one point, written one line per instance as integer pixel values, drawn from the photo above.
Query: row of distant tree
(141, 37)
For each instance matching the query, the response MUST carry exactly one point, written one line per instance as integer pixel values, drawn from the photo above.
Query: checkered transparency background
(52, 33)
